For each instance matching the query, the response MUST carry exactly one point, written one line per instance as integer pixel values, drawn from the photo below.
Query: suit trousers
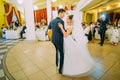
(59, 53)
(102, 36)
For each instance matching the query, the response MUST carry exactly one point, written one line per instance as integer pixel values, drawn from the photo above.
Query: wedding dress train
(77, 60)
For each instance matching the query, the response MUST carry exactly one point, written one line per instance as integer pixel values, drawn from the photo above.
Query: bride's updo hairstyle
(70, 17)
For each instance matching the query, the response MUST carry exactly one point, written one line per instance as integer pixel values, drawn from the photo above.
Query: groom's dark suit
(57, 40)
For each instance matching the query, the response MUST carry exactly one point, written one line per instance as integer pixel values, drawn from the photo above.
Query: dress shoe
(60, 72)
(56, 64)
(99, 43)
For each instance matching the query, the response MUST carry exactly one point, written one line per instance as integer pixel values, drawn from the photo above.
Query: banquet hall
(26, 50)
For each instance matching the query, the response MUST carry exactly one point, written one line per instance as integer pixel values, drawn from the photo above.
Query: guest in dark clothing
(23, 31)
(103, 22)
(17, 24)
(3, 31)
(37, 26)
(11, 26)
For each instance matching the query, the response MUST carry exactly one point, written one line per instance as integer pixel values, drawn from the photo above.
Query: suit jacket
(24, 28)
(103, 24)
(57, 35)
(17, 24)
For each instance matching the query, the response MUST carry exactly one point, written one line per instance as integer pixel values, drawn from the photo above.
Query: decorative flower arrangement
(43, 21)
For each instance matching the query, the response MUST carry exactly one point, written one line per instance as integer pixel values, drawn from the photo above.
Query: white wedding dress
(77, 60)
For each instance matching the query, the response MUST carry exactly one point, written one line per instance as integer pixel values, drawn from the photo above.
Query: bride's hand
(60, 25)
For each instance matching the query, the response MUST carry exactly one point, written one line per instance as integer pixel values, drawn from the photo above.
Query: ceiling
(42, 3)
(95, 5)
(102, 5)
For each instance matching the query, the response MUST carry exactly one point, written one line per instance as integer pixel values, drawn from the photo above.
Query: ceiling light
(61, 7)
(119, 4)
(20, 1)
(54, 0)
(35, 7)
(100, 10)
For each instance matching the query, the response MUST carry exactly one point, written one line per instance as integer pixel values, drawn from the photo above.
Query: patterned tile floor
(5, 45)
(36, 61)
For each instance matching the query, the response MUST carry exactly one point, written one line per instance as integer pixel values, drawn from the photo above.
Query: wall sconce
(108, 8)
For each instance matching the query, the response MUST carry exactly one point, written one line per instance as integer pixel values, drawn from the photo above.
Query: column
(2, 17)
(2, 12)
(96, 16)
(29, 18)
(49, 11)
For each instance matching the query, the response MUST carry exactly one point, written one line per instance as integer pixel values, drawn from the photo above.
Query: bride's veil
(78, 33)
(77, 26)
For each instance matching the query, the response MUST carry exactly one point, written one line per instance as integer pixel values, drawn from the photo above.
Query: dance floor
(5, 45)
(36, 61)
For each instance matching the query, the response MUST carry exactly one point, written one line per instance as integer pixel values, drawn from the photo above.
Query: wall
(83, 16)
(2, 18)
(88, 18)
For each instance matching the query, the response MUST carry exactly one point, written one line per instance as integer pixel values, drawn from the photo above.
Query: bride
(77, 60)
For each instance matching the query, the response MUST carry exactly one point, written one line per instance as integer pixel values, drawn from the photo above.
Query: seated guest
(83, 25)
(11, 27)
(115, 36)
(17, 24)
(92, 27)
(119, 25)
(37, 26)
(97, 31)
(119, 31)
(87, 32)
(109, 31)
(3, 31)
(23, 31)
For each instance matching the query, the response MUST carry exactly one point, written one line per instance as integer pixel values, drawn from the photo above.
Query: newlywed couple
(72, 55)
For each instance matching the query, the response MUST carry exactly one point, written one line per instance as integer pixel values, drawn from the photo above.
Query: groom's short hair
(61, 11)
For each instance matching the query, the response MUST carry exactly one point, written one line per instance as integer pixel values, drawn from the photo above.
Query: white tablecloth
(11, 34)
(40, 34)
(97, 35)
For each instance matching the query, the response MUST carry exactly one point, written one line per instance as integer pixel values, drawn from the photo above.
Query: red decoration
(39, 15)
(9, 17)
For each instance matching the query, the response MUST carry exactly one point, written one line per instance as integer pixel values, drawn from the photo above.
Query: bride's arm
(65, 33)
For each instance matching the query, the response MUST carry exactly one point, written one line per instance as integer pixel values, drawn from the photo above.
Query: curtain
(36, 17)
(9, 9)
(18, 15)
(39, 15)
(117, 18)
(42, 14)
(8, 14)
(111, 17)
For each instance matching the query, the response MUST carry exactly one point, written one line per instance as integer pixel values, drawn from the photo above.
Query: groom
(57, 38)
